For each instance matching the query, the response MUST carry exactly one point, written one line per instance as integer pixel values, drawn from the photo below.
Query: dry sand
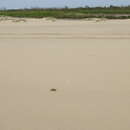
(87, 62)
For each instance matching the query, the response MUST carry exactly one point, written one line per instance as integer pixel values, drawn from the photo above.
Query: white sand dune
(87, 62)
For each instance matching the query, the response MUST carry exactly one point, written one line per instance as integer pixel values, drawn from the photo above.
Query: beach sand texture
(86, 63)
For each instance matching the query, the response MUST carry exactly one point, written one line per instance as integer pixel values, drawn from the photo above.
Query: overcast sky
(59, 3)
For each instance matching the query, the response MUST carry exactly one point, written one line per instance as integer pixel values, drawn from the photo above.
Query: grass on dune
(71, 13)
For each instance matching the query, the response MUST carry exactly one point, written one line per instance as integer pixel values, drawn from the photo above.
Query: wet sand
(86, 62)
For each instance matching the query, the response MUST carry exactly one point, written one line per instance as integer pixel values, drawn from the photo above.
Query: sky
(15, 4)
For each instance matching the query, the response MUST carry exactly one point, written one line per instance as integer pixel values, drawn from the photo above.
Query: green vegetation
(111, 12)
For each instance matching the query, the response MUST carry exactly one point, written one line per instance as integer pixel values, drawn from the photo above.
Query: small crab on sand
(53, 89)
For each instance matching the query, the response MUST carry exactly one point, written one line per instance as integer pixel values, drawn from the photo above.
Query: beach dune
(65, 75)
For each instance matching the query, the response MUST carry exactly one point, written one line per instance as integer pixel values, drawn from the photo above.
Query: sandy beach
(87, 62)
